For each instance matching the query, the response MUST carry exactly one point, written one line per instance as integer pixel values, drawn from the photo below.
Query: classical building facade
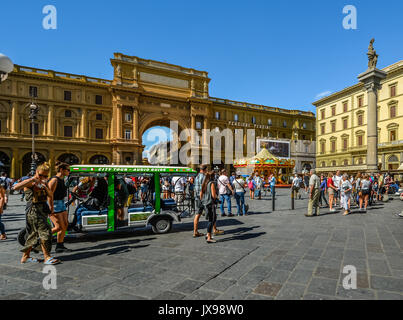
(90, 120)
(342, 126)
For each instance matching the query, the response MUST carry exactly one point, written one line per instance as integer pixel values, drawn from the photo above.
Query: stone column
(135, 124)
(372, 81)
(51, 121)
(383, 162)
(14, 117)
(119, 122)
(14, 173)
(84, 123)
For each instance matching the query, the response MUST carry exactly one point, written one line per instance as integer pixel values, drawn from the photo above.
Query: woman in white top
(346, 188)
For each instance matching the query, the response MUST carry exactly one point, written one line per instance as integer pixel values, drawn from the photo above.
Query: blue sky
(276, 53)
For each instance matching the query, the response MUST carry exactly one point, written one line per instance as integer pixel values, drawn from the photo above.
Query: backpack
(207, 199)
(250, 185)
(3, 183)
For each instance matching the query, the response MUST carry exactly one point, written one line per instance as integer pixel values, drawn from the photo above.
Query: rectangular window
(333, 146)
(217, 115)
(198, 125)
(393, 111)
(334, 126)
(98, 116)
(345, 144)
(360, 120)
(253, 120)
(345, 123)
(236, 118)
(67, 95)
(98, 99)
(392, 135)
(393, 91)
(68, 131)
(359, 140)
(99, 133)
(322, 128)
(128, 117)
(333, 111)
(36, 126)
(33, 92)
(322, 147)
(322, 114)
(360, 101)
(345, 107)
(67, 114)
(128, 134)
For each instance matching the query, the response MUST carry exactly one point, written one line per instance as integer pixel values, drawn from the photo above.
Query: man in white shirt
(179, 184)
(296, 182)
(337, 183)
(223, 187)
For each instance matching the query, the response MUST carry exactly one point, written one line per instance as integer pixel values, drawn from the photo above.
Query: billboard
(278, 148)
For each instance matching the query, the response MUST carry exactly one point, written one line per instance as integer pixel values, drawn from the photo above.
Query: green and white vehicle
(152, 210)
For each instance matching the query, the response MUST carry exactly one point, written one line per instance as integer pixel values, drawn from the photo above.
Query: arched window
(69, 158)
(99, 159)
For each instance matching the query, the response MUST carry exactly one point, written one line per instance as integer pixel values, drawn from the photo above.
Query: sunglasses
(43, 175)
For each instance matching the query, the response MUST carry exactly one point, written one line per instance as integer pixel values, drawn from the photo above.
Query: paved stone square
(266, 255)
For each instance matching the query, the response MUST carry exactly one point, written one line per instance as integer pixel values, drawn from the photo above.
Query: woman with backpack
(365, 186)
(208, 196)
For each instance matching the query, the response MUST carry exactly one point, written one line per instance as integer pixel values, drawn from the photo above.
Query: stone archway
(69, 158)
(5, 163)
(99, 159)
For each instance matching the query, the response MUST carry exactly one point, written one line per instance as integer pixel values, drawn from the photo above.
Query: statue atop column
(372, 56)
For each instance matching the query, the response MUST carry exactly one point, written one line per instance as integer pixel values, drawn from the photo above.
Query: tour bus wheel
(162, 225)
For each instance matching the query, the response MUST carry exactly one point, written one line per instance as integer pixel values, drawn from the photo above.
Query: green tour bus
(151, 210)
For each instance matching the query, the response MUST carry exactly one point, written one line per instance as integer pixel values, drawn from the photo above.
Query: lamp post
(6, 66)
(33, 111)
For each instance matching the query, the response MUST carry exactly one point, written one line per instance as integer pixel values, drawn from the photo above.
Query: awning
(344, 168)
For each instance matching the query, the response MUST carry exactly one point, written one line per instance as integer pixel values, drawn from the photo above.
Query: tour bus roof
(128, 168)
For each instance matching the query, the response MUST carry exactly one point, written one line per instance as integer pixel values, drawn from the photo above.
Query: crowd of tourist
(343, 190)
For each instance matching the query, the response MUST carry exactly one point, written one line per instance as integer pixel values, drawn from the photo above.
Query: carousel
(265, 164)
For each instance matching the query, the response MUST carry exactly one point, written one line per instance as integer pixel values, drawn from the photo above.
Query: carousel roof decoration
(264, 159)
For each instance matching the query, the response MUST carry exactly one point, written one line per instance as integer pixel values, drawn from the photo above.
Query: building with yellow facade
(90, 120)
(342, 126)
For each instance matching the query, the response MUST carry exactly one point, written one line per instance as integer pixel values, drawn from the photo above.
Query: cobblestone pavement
(266, 255)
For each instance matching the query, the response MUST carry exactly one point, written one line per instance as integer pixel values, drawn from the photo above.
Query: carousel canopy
(264, 158)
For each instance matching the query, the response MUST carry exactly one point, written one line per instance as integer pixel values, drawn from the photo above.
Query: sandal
(52, 261)
(198, 234)
(30, 260)
(211, 241)
(218, 232)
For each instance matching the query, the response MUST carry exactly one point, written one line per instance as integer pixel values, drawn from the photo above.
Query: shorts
(364, 192)
(330, 191)
(59, 206)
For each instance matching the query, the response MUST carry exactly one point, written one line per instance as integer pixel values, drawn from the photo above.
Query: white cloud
(323, 94)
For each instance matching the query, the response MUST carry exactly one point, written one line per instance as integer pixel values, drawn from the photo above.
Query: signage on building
(248, 125)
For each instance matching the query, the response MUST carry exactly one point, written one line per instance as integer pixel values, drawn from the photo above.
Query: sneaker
(223, 215)
(230, 215)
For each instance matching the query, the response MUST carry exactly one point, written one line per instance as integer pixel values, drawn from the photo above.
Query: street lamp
(6, 66)
(33, 111)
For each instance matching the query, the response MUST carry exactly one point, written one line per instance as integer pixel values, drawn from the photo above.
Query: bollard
(292, 198)
(273, 204)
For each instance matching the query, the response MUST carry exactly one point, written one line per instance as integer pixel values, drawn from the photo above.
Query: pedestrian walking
(198, 204)
(251, 187)
(6, 181)
(239, 187)
(272, 182)
(258, 186)
(3, 235)
(306, 182)
(59, 215)
(365, 186)
(346, 188)
(225, 192)
(208, 196)
(38, 195)
(337, 183)
(314, 185)
(323, 189)
(331, 190)
(296, 182)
